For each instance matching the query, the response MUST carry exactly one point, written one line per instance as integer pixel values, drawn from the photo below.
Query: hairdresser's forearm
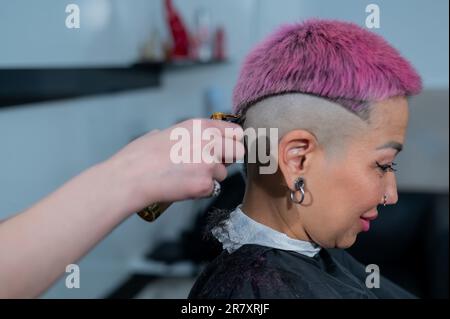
(37, 245)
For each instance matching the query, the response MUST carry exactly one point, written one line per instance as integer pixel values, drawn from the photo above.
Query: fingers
(202, 186)
(222, 150)
(219, 172)
(232, 151)
(228, 130)
(218, 141)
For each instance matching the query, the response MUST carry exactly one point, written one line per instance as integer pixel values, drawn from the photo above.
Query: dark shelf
(32, 85)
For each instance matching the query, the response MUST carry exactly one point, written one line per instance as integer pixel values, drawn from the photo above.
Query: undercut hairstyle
(331, 124)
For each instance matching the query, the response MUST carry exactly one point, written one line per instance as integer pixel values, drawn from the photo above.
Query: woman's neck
(273, 210)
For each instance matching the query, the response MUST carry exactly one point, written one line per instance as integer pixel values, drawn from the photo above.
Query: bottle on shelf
(180, 38)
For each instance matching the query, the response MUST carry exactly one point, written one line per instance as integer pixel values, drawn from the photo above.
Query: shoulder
(252, 271)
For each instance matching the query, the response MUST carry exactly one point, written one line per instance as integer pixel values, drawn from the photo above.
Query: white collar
(239, 230)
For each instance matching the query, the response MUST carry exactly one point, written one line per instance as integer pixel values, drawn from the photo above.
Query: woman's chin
(346, 242)
(341, 242)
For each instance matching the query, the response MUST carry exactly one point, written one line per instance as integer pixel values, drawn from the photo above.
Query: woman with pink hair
(338, 95)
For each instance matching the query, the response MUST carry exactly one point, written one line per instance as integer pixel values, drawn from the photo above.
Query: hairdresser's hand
(147, 171)
(76, 216)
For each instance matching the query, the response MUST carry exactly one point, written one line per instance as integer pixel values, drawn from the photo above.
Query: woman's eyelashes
(387, 167)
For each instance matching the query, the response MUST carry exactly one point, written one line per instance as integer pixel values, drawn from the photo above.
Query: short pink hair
(336, 60)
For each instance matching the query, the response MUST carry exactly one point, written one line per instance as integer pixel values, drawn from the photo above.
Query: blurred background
(71, 97)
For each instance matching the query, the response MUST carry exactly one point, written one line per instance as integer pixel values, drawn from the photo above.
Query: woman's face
(346, 191)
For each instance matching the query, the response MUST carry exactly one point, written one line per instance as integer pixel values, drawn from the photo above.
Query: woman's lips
(365, 220)
(365, 224)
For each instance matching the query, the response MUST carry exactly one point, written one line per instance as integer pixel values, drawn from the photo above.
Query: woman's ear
(294, 155)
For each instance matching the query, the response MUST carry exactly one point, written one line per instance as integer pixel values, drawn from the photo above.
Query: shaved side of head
(332, 125)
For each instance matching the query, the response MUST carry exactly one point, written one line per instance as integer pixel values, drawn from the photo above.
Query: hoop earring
(298, 185)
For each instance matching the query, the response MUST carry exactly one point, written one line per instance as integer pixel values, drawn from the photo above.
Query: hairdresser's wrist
(111, 190)
(125, 191)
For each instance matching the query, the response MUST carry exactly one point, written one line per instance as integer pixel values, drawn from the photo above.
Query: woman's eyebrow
(392, 144)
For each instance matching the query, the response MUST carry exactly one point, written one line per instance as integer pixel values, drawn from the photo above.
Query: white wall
(44, 145)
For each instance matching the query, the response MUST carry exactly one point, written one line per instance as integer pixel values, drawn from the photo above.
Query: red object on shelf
(219, 44)
(180, 49)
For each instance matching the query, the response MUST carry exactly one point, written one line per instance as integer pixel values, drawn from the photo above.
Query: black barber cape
(255, 271)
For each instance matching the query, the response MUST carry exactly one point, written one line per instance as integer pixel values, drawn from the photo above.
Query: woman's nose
(391, 191)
